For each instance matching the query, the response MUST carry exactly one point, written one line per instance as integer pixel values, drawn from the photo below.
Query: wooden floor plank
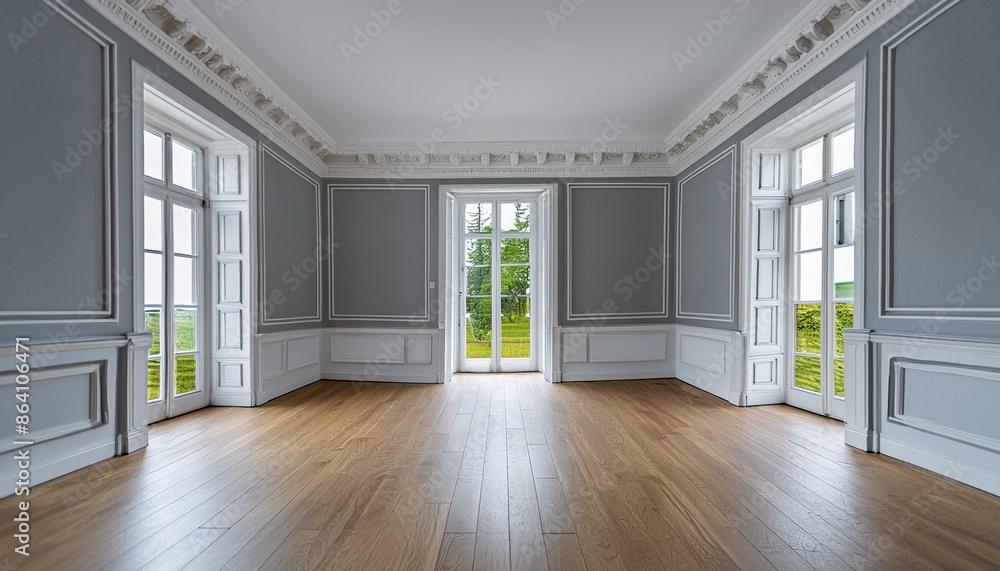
(505, 472)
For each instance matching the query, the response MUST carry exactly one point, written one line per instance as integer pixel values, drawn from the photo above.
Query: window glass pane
(843, 209)
(842, 148)
(478, 252)
(515, 329)
(479, 218)
(185, 374)
(809, 276)
(186, 329)
(809, 226)
(479, 328)
(845, 320)
(809, 164)
(184, 224)
(152, 155)
(515, 280)
(153, 327)
(807, 373)
(183, 165)
(843, 272)
(515, 250)
(515, 217)
(152, 223)
(184, 276)
(838, 378)
(808, 328)
(153, 380)
(477, 281)
(153, 266)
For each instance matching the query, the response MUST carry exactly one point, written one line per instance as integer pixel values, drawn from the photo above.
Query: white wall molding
(453, 160)
(318, 253)
(860, 391)
(620, 352)
(109, 294)
(286, 361)
(712, 360)
(196, 49)
(135, 417)
(887, 189)
(824, 32)
(426, 189)
(383, 355)
(733, 221)
(76, 419)
(604, 316)
(935, 405)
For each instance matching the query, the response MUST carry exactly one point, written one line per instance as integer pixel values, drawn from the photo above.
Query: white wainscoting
(286, 361)
(616, 353)
(75, 390)
(384, 355)
(712, 360)
(937, 405)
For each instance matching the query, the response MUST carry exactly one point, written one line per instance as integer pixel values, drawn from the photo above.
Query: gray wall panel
(706, 264)
(290, 226)
(616, 247)
(943, 127)
(381, 253)
(52, 153)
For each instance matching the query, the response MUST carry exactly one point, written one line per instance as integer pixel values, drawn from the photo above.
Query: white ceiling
(606, 60)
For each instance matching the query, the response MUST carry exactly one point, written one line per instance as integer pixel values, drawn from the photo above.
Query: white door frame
(543, 295)
(194, 121)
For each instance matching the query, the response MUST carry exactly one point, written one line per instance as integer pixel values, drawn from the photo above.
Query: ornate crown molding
(182, 36)
(559, 159)
(193, 46)
(787, 62)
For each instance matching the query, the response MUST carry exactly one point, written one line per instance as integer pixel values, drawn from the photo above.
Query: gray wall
(291, 244)
(383, 249)
(706, 235)
(52, 230)
(945, 217)
(945, 223)
(616, 243)
(364, 245)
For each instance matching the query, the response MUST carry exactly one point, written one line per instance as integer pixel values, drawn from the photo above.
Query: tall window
(823, 273)
(173, 236)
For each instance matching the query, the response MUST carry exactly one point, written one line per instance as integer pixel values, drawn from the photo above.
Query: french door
(173, 243)
(823, 270)
(496, 293)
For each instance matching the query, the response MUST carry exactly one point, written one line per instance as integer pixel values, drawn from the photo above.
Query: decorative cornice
(187, 40)
(785, 64)
(209, 62)
(518, 159)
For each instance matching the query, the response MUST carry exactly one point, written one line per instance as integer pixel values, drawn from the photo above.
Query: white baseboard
(389, 355)
(975, 476)
(616, 353)
(712, 360)
(865, 440)
(760, 398)
(232, 399)
(287, 361)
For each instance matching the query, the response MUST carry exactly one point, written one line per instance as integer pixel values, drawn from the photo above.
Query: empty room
(560, 284)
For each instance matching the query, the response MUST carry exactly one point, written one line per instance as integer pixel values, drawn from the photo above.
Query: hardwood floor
(504, 472)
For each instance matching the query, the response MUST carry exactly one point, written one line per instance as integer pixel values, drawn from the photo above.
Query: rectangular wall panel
(706, 234)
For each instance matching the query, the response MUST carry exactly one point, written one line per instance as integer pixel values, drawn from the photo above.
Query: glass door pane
(153, 290)
(808, 296)
(186, 287)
